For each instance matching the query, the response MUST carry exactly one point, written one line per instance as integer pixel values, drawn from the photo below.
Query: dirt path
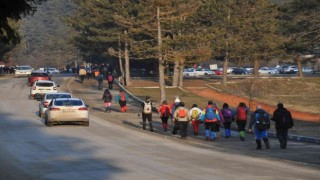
(233, 100)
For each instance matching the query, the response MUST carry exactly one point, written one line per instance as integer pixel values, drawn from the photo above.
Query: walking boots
(266, 141)
(258, 141)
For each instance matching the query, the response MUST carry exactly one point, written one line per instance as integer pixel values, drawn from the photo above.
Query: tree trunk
(225, 69)
(181, 74)
(176, 73)
(162, 83)
(298, 61)
(126, 58)
(119, 56)
(256, 67)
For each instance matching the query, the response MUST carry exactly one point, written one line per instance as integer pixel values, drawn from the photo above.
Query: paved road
(107, 150)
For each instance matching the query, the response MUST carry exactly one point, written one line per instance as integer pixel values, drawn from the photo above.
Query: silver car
(63, 110)
(47, 99)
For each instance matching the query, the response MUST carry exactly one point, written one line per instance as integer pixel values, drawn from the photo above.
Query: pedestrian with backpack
(173, 107)
(107, 98)
(182, 118)
(195, 116)
(146, 112)
(228, 118)
(241, 119)
(284, 122)
(122, 100)
(211, 118)
(164, 112)
(110, 80)
(100, 81)
(260, 121)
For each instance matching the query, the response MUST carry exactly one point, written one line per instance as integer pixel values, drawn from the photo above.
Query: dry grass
(303, 94)
(188, 98)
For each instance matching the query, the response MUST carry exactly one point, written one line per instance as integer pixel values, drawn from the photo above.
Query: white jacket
(199, 113)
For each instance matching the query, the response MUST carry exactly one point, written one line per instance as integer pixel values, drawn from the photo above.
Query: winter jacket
(178, 118)
(199, 113)
(253, 117)
(278, 115)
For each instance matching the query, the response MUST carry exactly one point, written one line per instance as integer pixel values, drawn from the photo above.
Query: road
(105, 150)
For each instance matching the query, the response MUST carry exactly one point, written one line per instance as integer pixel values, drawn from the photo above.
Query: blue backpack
(211, 114)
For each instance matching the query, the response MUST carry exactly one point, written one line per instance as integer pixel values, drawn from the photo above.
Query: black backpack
(262, 121)
(285, 119)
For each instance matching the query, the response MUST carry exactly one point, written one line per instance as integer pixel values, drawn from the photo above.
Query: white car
(47, 99)
(203, 72)
(229, 70)
(63, 110)
(23, 71)
(41, 87)
(266, 70)
(291, 70)
(53, 71)
(189, 72)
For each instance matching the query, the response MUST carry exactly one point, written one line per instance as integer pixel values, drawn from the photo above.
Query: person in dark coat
(284, 121)
(107, 98)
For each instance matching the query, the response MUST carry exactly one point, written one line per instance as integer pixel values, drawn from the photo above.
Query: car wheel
(86, 123)
(49, 124)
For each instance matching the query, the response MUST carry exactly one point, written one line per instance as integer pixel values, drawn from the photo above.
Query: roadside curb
(271, 134)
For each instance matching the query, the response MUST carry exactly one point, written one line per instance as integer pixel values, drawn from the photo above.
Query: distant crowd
(7, 69)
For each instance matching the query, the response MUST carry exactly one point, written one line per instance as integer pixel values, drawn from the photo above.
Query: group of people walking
(211, 117)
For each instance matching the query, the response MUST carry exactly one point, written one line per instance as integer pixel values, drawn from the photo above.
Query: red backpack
(165, 111)
(242, 114)
(110, 78)
(182, 113)
(122, 96)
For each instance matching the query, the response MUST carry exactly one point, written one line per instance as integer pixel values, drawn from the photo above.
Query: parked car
(189, 72)
(53, 71)
(239, 71)
(38, 75)
(229, 70)
(306, 70)
(61, 110)
(266, 70)
(203, 72)
(47, 99)
(249, 69)
(219, 71)
(291, 70)
(41, 87)
(23, 71)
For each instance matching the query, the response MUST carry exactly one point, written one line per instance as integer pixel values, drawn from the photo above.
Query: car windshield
(45, 84)
(39, 74)
(23, 68)
(68, 103)
(53, 96)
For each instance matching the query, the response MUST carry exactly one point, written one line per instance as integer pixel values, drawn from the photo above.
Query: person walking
(195, 116)
(110, 80)
(182, 118)
(107, 98)
(164, 112)
(241, 119)
(82, 73)
(284, 122)
(228, 118)
(100, 81)
(174, 105)
(260, 121)
(147, 113)
(122, 100)
(211, 118)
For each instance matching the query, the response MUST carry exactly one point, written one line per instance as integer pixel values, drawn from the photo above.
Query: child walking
(107, 98)
(122, 100)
